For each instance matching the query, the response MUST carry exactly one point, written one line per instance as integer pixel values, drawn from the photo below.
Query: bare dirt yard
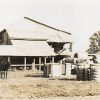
(31, 85)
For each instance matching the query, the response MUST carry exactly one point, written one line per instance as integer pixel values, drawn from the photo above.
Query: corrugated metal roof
(26, 48)
(7, 50)
(28, 28)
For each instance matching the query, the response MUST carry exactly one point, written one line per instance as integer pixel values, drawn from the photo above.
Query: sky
(79, 17)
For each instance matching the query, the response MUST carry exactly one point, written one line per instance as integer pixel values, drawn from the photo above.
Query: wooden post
(53, 60)
(45, 67)
(24, 63)
(62, 67)
(33, 64)
(45, 60)
(9, 61)
(39, 63)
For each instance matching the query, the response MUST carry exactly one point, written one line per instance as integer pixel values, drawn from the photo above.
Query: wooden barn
(28, 42)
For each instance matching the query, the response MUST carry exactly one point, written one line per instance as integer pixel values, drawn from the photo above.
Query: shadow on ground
(36, 75)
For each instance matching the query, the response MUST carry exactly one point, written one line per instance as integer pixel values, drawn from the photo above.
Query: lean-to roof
(26, 48)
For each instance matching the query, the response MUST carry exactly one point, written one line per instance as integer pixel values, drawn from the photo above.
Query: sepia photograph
(50, 50)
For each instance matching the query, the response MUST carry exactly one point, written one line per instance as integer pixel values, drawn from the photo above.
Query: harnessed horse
(4, 69)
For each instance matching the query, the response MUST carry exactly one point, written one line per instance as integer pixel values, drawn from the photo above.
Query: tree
(94, 43)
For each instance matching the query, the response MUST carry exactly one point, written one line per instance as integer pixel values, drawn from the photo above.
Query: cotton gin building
(29, 43)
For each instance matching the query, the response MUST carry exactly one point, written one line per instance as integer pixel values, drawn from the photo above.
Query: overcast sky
(80, 17)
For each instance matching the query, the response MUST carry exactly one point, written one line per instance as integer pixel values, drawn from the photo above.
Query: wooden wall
(4, 38)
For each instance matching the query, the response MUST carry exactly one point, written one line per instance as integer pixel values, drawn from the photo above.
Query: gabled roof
(47, 25)
(29, 28)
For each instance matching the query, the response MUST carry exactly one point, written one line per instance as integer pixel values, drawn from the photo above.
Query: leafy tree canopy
(94, 43)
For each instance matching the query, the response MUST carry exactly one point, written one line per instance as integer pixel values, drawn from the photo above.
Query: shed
(28, 41)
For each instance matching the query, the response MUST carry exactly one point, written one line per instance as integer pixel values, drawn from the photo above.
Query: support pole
(45, 67)
(33, 64)
(52, 65)
(52, 59)
(45, 60)
(9, 61)
(39, 63)
(24, 63)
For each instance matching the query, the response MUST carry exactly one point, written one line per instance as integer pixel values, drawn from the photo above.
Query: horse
(4, 69)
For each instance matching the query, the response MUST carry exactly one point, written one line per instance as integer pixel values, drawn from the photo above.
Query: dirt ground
(31, 85)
